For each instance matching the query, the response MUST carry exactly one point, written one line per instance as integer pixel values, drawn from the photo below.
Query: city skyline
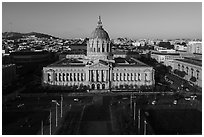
(132, 20)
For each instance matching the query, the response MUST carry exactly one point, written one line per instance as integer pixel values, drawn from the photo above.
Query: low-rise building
(192, 66)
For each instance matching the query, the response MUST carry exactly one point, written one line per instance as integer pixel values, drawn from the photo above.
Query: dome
(99, 32)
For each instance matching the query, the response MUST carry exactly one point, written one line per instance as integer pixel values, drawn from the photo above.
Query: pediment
(98, 65)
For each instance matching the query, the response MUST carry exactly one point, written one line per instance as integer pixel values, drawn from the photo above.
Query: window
(198, 74)
(74, 76)
(192, 72)
(70, 76)
(60, 77)
(82, 77)
(145, 76)
(49, 77)
(182, 68)
(139, 76)
(187, 70)
(102, 46)
(178, 66)
(67, 76)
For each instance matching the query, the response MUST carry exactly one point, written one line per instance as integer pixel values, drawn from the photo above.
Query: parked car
(175, 102)
(76, 100)
(154, 102)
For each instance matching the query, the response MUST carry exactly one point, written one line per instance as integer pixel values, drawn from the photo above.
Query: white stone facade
(98, 70)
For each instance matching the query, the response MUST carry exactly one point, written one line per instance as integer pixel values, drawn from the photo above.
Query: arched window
(182, 68)
(192, 72)
(197, 73)
(97, 47)
(102, 46)
(178, 66)
(187, 70)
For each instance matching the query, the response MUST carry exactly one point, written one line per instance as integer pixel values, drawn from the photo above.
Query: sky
(135, 20)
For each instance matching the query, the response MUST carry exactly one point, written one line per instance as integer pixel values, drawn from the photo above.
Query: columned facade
(98, 71)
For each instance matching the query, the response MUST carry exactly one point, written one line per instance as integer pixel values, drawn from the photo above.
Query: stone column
(72, 76)
(79, 76)
(94, 75)
(122, 77)
(104, 75)
(83, 76)
(136, 78)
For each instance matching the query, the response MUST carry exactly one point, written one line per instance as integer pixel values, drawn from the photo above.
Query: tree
(193, 79)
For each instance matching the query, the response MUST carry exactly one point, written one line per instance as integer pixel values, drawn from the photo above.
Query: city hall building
(98, 70)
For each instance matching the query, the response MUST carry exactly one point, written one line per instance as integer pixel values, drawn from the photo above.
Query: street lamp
(61, 104)
(139, 120)
(145, 127)
(57, 104)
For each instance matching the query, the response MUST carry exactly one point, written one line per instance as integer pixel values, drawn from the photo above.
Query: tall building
(98, 70)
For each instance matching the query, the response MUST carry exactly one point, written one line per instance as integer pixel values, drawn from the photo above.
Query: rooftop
(128, 62)
(67, 63)
(191, 60)
(163, 53)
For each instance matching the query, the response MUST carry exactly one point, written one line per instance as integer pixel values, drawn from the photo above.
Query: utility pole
(56, 113)
(56, 104)
(42, 127)
(50, 122)
(139, 120)
(61, 104)
(134, 111)
(131, 102)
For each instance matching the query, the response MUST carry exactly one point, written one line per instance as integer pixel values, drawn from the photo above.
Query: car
(124, 98)
(76, 100)
(193, 97)
(187, 90)
(175, 102)
(190, 83)
(20, 105)
(187, 98)
(154, 102)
